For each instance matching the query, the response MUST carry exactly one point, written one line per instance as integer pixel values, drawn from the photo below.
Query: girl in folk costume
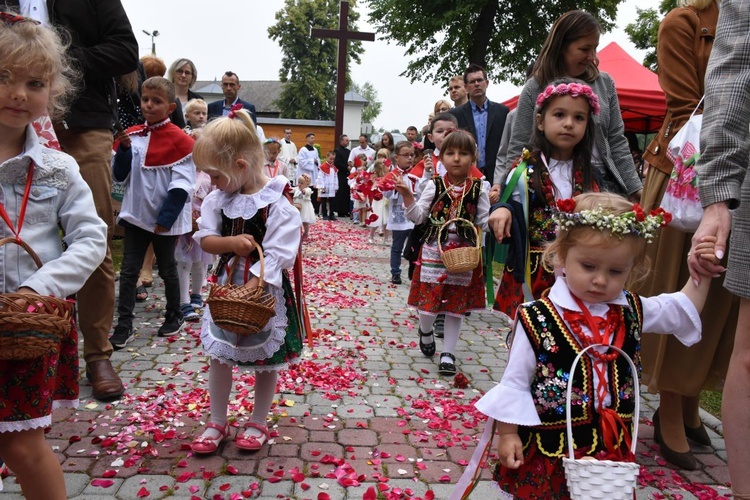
(327, 184)
(558, 167)
(377, 220)
(356, 179)
(600, 250)
(247, 207)
(273, 167)
(433, 289)
(42, 191)
(302, 197)
(192, 261)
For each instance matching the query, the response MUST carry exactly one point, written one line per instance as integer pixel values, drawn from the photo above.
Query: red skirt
(540, 477)
(434, 290)
(31, 389)
(510, 293)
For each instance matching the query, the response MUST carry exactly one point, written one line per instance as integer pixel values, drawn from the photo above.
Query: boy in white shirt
(155, 162)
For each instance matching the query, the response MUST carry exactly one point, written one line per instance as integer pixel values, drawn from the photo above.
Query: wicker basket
(463, 259)
(31, 325)
(605, 479)
(238, 309)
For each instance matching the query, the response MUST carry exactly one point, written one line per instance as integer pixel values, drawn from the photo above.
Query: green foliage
(374, 106)
(308, 65)
(442, 37)
(644, 32)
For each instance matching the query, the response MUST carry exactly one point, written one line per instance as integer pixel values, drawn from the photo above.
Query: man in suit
(457, 91)
(483, 118)
(725, 186)
(230, 86)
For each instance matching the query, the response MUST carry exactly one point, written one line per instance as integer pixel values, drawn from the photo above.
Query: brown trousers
(92, 149)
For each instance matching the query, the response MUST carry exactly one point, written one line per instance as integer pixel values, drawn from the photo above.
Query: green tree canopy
(442, 37)
(644, 32)
(308, 65)
(374, 106)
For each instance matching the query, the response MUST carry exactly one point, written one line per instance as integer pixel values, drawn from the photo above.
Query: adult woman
(677, 373)
(442, 106)
(570, 52)
(183, 74)
(386, 141)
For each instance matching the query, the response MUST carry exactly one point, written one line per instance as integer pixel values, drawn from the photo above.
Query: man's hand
(715, 223)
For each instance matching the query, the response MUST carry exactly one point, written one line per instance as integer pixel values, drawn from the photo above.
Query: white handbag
(681, 197)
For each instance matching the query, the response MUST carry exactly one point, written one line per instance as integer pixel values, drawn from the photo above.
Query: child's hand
(159, 229)
(428, 166)
(242, 244)
(500, 221)
(494, 197)
(510, 451)
(252, 283)
(706, 249)
(124, 139)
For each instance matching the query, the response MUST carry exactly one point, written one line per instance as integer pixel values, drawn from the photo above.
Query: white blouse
(282, 239)
(418, 211)
(511, 401)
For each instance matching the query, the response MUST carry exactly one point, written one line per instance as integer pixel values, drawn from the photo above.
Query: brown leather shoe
(106, 383)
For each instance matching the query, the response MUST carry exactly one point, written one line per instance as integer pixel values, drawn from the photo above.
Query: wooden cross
(343, 35)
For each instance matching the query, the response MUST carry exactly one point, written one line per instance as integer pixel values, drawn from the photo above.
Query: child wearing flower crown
(247, 207)
(600, 250)
(42, 192)
(557, 167)
(434, 290)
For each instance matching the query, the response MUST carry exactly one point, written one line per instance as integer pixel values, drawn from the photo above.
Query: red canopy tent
(641, 98)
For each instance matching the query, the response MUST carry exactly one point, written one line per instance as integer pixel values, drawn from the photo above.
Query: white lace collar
(236, 205)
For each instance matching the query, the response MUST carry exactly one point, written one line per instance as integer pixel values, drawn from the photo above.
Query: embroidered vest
(255, 227)
(555, 348)
(440, 210)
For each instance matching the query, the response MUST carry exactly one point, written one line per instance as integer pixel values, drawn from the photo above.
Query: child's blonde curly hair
(556, 252)
(29, 46)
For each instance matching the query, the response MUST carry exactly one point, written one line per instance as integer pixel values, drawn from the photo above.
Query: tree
(374, 106)
(308, 65)
(645, 30)
(442, 37)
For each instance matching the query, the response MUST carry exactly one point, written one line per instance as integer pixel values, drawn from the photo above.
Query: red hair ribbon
(10, 18)
(233, 111)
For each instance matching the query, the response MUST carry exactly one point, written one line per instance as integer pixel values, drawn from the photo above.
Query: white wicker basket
(601, 479)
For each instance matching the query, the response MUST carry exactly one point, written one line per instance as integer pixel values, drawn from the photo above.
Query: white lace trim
(235, 205)
(54, 172)
(40, 422)
(223, 351)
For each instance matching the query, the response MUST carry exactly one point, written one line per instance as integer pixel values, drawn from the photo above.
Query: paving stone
(151, 483)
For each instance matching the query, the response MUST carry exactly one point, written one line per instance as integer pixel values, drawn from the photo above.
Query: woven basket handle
(568, 392)
(261, 259)
(25, 246)
(458, 219)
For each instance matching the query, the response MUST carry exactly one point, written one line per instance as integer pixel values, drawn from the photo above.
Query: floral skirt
(434, 290)
(510, 293)
(540, 477)
(31, 389)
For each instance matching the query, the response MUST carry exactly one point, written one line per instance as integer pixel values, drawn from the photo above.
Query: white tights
(452, 331)
(192, 275)
(220, 387)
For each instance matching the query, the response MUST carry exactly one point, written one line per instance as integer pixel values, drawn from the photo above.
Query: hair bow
(233, 111)
(10, 18)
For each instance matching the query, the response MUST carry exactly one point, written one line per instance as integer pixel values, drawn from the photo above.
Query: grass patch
(711, 402)
(117, 254)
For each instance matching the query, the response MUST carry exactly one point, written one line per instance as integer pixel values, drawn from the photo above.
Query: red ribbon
(24, 202)
(233, 111)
